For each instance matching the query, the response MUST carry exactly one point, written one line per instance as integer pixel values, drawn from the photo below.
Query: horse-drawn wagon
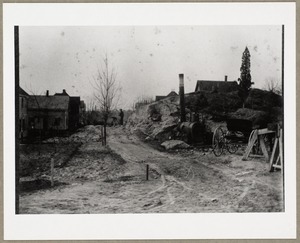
(231, 136)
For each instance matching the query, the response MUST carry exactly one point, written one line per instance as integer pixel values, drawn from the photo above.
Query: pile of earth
(158, 120)
(35, 159)
(259, 119)
(263, 100)
(86, 134)
(92, 162)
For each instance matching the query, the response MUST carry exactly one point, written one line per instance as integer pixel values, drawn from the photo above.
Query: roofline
(216, 81)
(46, 109)
(25, 93)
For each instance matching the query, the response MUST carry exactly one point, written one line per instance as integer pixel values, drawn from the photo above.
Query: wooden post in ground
(102, 138)
(147, 172)
(52, 172)
(276, 160)
(17, 142)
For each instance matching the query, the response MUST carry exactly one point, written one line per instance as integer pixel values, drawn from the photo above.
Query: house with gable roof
(216, 86)
(48, 113)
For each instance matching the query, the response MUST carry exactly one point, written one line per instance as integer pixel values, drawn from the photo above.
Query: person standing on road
(121, 117)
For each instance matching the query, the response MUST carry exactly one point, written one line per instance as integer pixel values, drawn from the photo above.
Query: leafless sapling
(106, 91)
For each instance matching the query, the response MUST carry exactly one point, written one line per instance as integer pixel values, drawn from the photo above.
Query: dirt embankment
(35, 159)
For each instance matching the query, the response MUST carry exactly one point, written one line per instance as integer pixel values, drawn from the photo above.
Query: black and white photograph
(148, 120)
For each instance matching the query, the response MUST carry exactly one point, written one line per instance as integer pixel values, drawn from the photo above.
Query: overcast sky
(148, 59)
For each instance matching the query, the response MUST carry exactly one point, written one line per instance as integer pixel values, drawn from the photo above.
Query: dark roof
(22, 92)
(210, 85)
(159, 97)
(64, 93)
(48, 102)
(172, 93)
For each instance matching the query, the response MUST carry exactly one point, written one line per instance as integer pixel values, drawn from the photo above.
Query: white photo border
(150, 226)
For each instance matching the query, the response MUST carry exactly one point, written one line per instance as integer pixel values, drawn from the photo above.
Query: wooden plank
(52, 172)
(281, 151)
(265, 131)
(250, 145)
(277, 161)
(273, 155)
(264, 148)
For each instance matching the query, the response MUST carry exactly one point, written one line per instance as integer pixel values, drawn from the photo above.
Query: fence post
(147, 172)
(52, 172)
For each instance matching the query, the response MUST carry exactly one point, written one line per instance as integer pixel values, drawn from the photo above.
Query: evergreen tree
(245, 78)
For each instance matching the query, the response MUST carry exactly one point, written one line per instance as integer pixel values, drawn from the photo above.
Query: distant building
(48, 113)
(74, 110)
(64, 93)
(23, 113)
(160, 97)
(82, 113)
(216, 86)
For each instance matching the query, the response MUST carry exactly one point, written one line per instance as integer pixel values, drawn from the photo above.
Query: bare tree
(91, 106)
(106, 91)
(141, 101)
(273, 85)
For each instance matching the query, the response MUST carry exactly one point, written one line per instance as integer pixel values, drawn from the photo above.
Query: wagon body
(240, 125)
(236, 131)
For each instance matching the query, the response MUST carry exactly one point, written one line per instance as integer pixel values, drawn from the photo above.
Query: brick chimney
(181, 98)
(225, 78)
(47, 93)
(64, 91)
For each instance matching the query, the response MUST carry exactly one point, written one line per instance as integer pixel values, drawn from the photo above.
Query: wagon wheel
(233, 147)
(218, 141)
(205, 149)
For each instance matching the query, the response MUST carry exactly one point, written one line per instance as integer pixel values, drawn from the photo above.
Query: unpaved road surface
(113, 180)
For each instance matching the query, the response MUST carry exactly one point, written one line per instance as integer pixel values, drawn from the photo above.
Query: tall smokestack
(181, 96)
(225, 78)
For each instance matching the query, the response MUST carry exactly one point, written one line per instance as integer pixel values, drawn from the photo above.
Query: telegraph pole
(17, 82)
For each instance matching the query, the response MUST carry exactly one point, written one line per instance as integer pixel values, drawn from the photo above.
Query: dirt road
(113, 180)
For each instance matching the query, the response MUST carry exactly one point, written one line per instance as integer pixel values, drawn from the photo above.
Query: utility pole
(282, 80)
(17, 144)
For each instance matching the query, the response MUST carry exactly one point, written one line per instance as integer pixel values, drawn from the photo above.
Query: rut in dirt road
(205, 181)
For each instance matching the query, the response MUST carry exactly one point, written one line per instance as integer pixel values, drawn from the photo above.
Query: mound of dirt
(35, 159)
(157, 120)
(86, 134)
(263, 100)
(260, 119)
(175, 144)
